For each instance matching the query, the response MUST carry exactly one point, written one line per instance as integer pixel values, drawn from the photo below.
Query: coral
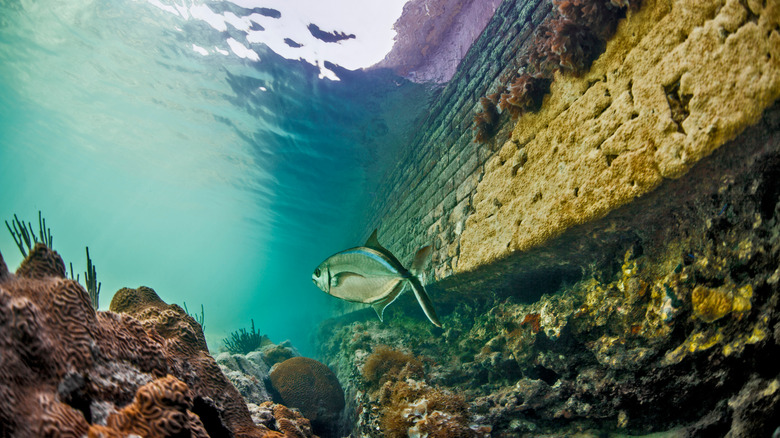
(200, 319)
(525, 93)
(93, 286)
(313, 388)
(564, 44)
(291, 423)
(533, 320)
(273, 354)
(711, 304)
(569, 42)
(386, 364)
(600, 16)
(243, 342)
(24, 234)
(281, 421)
(412, 408)
(64, 366)
(160, 408)
(485, 121)
(41, 263)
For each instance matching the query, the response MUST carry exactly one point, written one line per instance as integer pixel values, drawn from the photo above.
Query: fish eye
(317, 272)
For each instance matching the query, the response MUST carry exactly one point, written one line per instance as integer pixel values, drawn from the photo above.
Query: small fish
(372, 275)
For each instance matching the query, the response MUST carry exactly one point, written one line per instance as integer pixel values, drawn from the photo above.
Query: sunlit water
(213, 178)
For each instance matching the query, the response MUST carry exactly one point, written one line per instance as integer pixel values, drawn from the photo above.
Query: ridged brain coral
(159, 409)
(313, 388)
(65, 367)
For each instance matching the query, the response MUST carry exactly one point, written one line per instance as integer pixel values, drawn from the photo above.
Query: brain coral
(65, 367)
(160, 409)
(312, 387)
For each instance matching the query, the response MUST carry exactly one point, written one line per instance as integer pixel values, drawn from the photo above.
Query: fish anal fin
(420, 259)
(380, 306)
(339, 278)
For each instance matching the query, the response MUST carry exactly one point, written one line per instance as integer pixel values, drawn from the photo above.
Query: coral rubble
(142, 368)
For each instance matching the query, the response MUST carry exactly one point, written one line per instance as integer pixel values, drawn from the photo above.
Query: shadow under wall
(645, 226)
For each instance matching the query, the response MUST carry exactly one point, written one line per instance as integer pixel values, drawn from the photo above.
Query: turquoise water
(215, 180)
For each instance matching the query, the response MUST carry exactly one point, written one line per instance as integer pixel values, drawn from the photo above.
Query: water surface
(184, 162)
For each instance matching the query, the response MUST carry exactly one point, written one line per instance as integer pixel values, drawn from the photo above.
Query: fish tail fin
(424, 300)
(420, 259)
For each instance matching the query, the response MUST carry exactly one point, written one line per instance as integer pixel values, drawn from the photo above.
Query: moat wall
(677, 80)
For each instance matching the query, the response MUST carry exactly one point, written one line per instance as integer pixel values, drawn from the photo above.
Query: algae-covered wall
(676, 81)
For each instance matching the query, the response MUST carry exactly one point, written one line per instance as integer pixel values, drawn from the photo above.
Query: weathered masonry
(678, 80)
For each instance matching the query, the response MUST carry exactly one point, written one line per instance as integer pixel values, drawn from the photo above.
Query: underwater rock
(675, 330)
(247, 375)
(66, 369)
(310, 386)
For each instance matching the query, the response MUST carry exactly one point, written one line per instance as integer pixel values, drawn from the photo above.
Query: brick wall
(427, 197)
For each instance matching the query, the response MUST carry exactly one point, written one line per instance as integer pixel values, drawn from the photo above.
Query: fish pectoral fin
(420, 259)
(339, 279)
(380, 305)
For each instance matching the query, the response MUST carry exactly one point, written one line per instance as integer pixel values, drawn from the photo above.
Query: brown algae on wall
(678, 80)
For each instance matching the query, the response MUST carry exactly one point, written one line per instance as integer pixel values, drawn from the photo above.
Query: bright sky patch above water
(370, 21)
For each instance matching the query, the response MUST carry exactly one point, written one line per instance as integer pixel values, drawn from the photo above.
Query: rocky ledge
(660, 317)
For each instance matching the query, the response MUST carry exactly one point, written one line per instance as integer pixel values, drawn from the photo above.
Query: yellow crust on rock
(602, 140)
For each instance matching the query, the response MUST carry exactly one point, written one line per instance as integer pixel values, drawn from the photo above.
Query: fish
(371, 274)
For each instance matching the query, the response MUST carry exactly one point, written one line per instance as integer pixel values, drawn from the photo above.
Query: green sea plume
(93, 286)
(200, 319)
(24, 236)
(243, 341)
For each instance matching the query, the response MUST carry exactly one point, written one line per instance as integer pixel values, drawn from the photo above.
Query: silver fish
(372, 275)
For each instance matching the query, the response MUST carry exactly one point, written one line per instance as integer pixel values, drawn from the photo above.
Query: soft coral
(564, 44)
(525, 93)
(485, 121)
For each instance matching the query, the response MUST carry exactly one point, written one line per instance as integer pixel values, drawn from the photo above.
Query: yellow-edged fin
(379, 306)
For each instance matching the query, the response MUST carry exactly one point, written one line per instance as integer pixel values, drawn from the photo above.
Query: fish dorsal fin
(420, 259)
(379, 306)
(373, 242)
